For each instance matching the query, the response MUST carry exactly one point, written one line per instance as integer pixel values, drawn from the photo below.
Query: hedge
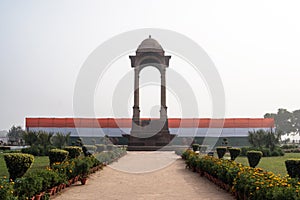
(234, 153)
(254, 158)
(74, 151)
(195, 147)
(18, 164)
(293, 167)
(57, 155)
(242, 181)
(221, 151)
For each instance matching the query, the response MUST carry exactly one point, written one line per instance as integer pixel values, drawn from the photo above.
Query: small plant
(234, 153)
(293, 167)
(221, 151)
(57, 155)
(195, 147)
(18, 164)
(254, 158)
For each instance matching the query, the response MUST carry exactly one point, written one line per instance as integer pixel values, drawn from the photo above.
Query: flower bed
(243, 181)
(45, 182)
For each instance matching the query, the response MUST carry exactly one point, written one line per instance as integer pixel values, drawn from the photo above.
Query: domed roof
(149, 45)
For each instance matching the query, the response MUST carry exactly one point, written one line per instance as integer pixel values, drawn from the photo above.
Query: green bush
(265, 151)
(28, 186)
(6, 190)
(254, 158)
(57, 155)
(83, 166)
(221, 151)
(100, 147)
(195, 147)
(293, 167)
(74, 151)
(50, 178)
(234, 153)
(17, 164)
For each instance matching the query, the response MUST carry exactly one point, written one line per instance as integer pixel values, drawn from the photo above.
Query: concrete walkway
(145, 175)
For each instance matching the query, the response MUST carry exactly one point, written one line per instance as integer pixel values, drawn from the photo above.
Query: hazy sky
(43, 44)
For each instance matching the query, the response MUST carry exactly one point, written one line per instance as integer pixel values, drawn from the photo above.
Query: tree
(296, 121)
(15, 134)
(60, 140)
(257, 138)
(283, 121)
(30, 137)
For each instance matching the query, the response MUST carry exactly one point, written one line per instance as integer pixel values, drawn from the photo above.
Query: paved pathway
(145, 176)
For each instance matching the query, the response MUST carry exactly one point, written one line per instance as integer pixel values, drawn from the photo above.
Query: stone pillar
(136, 107)
(163, 110)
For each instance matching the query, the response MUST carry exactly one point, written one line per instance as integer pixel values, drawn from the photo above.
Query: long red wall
(173, 122)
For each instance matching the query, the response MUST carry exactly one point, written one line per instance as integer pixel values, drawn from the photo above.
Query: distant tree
(15, 134)
(262, 138)
(44, 138)
(30, 137)
(284, 121)
(60, 140)
(296, 121)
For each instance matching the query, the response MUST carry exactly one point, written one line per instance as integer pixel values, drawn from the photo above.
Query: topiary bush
(234, 153)
(74, 151)
(293, 167)
(57, 155)
(221, 151)
(195, 147)
(254, 158)
(18, 164)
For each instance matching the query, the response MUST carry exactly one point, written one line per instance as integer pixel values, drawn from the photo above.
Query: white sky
(43, 44)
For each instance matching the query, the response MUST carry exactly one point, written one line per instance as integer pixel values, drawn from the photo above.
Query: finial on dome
(149, 36)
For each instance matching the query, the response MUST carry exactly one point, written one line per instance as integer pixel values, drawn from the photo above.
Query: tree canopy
(286, 122)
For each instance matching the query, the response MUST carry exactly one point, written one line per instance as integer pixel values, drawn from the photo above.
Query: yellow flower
(257, 188)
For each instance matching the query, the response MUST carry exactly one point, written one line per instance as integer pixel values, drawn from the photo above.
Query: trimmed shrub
(234, 153)
(18, 164)
(57, 155)
(195, 147)
(74, 151)
(100, 147)
(221, 151)
(293, 167)
(254, 158)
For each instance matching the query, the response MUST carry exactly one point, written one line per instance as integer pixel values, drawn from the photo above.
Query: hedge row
(243, 181)
(59, 173)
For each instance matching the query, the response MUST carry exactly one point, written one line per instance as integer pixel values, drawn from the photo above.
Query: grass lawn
(273, 164)
(39, 162)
